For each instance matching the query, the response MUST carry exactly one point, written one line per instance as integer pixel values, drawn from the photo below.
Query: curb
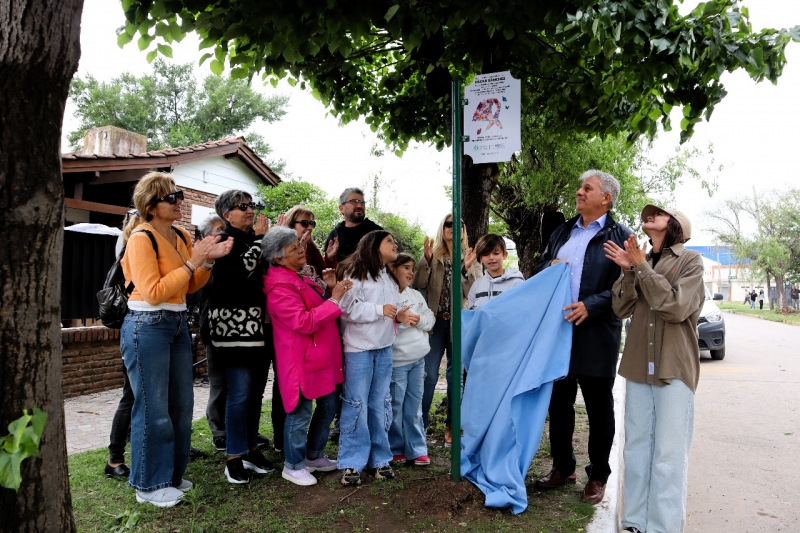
(608, 514)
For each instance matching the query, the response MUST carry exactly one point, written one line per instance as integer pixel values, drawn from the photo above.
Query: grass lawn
(420, 499)
(792, 317)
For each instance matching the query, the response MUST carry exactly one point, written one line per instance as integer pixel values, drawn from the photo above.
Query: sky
(753, 130)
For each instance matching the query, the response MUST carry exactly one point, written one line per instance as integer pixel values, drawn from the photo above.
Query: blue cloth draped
(513, 348)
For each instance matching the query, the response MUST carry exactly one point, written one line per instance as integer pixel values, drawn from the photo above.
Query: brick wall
(91, 360)
(194, 197)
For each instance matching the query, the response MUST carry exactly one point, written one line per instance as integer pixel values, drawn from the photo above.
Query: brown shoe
(554, 480)
(448, 435)
(593, 492)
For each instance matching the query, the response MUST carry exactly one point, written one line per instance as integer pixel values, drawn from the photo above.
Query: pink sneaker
(422, 460)
(321, 464)
(399, 458)
(300, 477)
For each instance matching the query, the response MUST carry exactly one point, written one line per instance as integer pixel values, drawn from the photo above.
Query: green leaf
(22, 442)
(594, 46)
(162, 29)
(685, 124)
(392, 10)
(144, 42)
(151, 55)
(291, 81)
(203, 58)
(217, 67)
(165, 49)
(508, 33)
(123, 39)
(239, 73)
(654, 114)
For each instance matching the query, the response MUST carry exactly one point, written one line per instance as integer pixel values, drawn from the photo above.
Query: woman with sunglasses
(434, 276)
(154, 338)
(302, 220)
(241, 342)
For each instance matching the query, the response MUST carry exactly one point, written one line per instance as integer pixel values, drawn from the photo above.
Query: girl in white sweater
(407, 433)
(369, 310)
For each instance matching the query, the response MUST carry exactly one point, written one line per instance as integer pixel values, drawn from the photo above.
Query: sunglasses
(306, 223)
(172, 197)
(243, 207)
(448, 224)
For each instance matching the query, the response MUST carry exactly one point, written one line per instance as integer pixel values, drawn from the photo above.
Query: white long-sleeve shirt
(362, 311)
(413, 343)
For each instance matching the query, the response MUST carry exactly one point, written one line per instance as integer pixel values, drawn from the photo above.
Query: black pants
(121, 424)
(217, 393)
(599, 400)
(278, 416)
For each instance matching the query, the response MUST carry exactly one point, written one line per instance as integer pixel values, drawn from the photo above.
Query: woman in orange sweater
(163, 266)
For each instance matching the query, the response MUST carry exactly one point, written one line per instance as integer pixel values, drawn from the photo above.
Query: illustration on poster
(486, 112)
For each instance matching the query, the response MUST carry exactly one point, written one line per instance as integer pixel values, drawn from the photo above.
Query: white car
(711, 327)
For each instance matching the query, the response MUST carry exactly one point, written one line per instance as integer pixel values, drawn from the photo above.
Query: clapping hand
(470, 258)
(407, 317)
(427, 246)
(329, 277)
(262, 225)
(333, 247)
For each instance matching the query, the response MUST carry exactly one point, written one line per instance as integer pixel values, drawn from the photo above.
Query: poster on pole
(492, 118)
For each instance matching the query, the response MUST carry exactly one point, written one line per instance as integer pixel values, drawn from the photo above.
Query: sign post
(487, 122)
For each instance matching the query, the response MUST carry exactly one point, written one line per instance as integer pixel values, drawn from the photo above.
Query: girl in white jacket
(407, 433)
(369, 310)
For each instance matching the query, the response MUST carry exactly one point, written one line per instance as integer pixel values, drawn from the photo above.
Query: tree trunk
(780, 293)
(769, 289)
(39, 51)
(478, 182)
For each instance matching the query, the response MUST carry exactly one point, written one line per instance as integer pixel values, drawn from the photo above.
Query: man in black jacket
(344, 238)
(596, 333)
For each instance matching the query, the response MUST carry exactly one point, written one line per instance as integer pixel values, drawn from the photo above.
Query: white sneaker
(185, 485)
(300, 477)
(166, 497)
(321, 464)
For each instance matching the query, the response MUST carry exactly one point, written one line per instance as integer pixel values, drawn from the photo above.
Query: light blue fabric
(513, 348)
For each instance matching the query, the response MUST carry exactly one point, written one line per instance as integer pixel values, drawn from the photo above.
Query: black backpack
(113, 297)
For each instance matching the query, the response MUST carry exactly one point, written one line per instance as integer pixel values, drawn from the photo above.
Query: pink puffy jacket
(308, 349)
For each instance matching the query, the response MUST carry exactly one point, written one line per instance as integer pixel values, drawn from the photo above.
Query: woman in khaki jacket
(661, 363)
(434, 278)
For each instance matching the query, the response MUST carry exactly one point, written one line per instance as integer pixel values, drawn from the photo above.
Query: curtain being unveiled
(513, 348)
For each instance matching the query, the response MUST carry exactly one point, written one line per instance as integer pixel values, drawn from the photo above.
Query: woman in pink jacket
(308, 352)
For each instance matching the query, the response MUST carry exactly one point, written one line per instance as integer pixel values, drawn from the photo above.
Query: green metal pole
(455, 401)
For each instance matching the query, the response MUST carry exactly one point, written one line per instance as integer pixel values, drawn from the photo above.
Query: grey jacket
(486, 287)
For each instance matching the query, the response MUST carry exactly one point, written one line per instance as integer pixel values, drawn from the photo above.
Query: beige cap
(683, 220)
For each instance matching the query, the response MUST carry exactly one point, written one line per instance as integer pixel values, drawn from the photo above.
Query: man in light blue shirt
(595, 333)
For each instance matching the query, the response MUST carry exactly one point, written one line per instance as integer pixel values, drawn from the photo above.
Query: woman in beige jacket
(434, 279)
(663, 290)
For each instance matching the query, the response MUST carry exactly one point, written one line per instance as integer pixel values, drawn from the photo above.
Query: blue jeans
(243, 408)
(366, 410)
(301, 440)
(407, 435)
(441, 342)
(157, 353)
(658, 434)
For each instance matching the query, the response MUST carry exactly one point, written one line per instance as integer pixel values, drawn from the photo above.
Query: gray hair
(347, 192)
(608, 184)
(228, 199)
(208, 224)
(274, 242)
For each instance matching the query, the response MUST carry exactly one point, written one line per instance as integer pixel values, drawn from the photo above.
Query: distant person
(761, 299)
(344, 238)
(753, 297)
(663, 292)
(795, 298)
(746, 296)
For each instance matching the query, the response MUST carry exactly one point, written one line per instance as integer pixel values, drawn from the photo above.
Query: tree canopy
(172, 109)
(591, 66)
(765, 229)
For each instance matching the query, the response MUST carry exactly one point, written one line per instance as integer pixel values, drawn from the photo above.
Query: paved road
(745, 456)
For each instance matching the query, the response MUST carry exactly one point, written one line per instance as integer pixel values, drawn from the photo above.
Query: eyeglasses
(306, 223)
(243, 207)
(172, 197)
(448, 224)
(355, 202)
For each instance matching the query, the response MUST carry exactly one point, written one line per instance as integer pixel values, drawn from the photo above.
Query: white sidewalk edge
(608, 514)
